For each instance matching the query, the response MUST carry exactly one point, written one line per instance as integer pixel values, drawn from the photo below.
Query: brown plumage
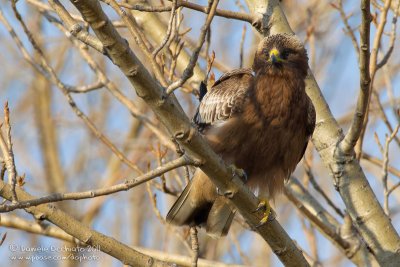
(261, 123)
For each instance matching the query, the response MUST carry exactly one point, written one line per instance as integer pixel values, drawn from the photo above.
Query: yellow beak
(274, 56)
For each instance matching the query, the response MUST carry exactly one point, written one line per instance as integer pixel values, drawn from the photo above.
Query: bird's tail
(220, 218)
(192, 208)
(186, 209)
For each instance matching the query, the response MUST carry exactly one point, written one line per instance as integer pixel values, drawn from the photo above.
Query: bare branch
(85, 88)
(372, 72)
(45, 68)
(15, 222)
(139, 38)
(73, 28)
(170, 114)
(188, 72)
(222, 13)
(128, 184)
(369, 219)
(112, 87)
(392, 39)
(355, 130)
(349, 30)
(169, 30)
(386, 191)
(352, 246)
(378, 162)
(310, 175)
(82, 232)
(7, 150)
(195, 245)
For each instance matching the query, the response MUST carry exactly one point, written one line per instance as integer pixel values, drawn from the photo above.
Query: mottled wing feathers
(225, 98)
(233, 73)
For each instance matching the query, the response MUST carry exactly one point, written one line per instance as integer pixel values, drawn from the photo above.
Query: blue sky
(339, 86)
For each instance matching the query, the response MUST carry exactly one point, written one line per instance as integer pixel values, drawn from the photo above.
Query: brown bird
(260, 123)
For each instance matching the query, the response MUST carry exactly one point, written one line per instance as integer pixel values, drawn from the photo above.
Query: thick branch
(361, 203)
(15, 222)
(169, 112)
(86, 235)
(352, 246)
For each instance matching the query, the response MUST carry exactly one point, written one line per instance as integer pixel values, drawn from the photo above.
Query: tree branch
(188, 72)
(128, 184)
(15, 222)
(352, 136)
(363, 207)
(83, 233)
(372, 68)
(170, 114)
(352, 246)
(219, 12)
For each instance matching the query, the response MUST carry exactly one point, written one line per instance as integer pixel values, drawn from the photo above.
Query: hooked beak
(274, 56)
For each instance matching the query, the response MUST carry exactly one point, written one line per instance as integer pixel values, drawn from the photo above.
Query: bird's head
(281, 54)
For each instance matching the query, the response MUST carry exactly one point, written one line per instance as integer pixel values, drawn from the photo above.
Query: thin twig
(384, 116)
(309, 232)
(188, 72)
(349, 30)
(378, 37)
(355, 130)
(208, 44)
(385, 170)
(81, 231)
(113, 89)
(234, 238)
(393, 188)
(74, 28)
(372, 72)
(171, 115)
(378, 162)
(169, 30)
(219, 12)
(40, 228)
(392, 39)
(394, 103)
(128, 184)
(134, 30)
(153, 200)
(3, 238)
(48, 71)
(347, 241)
(85, 88)
(6, 147)
(316, 186)
(195, 245)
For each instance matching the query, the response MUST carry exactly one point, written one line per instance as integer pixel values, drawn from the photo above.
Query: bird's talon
(239, 172)
(261, 206)
(266, 208)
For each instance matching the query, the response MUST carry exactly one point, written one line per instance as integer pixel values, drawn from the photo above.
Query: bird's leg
(266, 208)
(235, 172)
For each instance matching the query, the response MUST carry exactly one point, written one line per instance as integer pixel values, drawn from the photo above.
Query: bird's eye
(285, 53)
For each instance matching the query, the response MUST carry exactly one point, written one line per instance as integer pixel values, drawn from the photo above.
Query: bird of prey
(258, 120)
